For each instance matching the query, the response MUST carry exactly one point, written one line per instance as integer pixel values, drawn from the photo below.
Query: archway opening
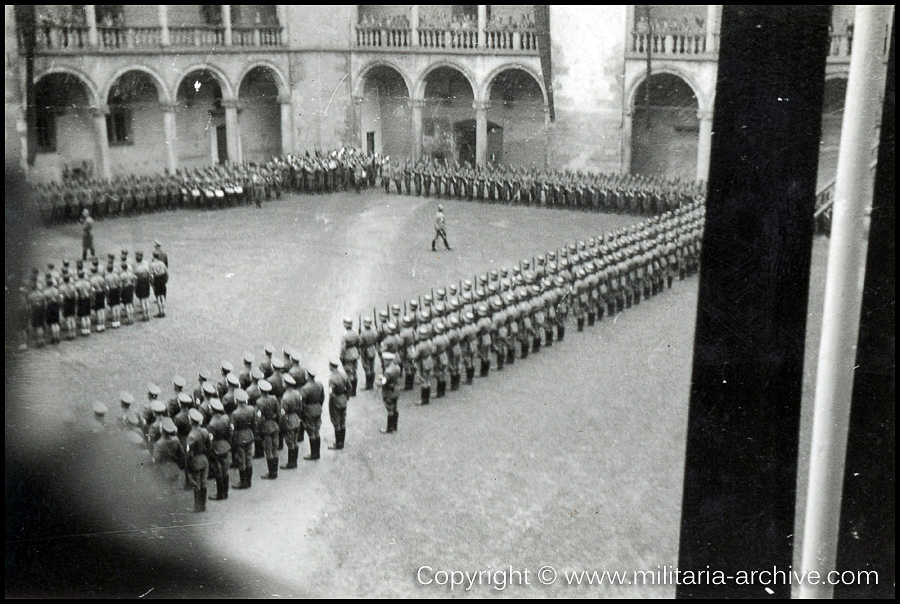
(260, 115)
(448, 101)
(517, 113)
(200, 121)
(665, 128)
(66, 136)
(135, 126)
(385, 115)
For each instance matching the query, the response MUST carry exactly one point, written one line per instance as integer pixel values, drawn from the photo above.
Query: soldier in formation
(508, 314)
(63, 303)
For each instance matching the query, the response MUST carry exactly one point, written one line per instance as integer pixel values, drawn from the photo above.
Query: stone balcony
(444, 40)
(700, 45)
(73, 39)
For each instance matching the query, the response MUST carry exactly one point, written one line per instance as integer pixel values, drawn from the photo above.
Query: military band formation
(210, 188)
(65, 302)
(261, 408)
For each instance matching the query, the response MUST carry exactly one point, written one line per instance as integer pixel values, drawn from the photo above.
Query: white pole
(843, 298)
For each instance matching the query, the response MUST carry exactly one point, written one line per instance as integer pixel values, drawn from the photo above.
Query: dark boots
(391, 424)
(500, 358)
(536, 344)
(409, 381)
(580, 324)
(273, 469)
(200, 500)
(441, 389)
(470, 375)
(313, 449)
(221, 489)
(548, 338)
(425, 395)
(560, 332)
(525, 349)
(258, 451)
(353, 386)
(454, 383)
(511, 355)
(591, 319)
(338, 439)
(370, 381)
(293, 454)
(245, 479)
(485, 368)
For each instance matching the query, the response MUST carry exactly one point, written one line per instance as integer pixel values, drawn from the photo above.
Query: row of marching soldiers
(622, 193)
(64, 302)
(511, 314)
(248, 413)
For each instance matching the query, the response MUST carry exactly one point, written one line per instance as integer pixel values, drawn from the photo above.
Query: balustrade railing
(73, 38)
(671, 43)
(379, 37)
(840, 45)
(444, 38)
(61, 37)
(260, 37)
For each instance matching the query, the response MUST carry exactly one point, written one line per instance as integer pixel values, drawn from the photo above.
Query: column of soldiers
(66, 302)
(249, 413)
(496, 318)
(214, 187)
(621, 193)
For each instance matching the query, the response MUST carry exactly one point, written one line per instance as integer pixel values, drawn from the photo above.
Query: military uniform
(368, 350)
(338, 387)
(390, 386)
(268, 412)
(244, 420)
(350, 354)
(198, 443)
(290, 421)
(312, 397)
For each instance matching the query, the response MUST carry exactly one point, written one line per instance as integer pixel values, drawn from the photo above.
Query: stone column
(232, 130)
(482, 25)
(90, 14)
(627, 124)
(287, 123)
(417, 105)
(226, 23)
(99, 114)
(547, 136)
(164, 25)
(357, 120)
(712, 27)
(170, 136)
(481, 109)
(414, 25)
(704, 145)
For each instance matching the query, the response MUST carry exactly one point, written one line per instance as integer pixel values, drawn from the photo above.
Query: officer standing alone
(440, 229)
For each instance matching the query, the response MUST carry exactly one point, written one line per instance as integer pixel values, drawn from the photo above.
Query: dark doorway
(221, 144)
(370, 143)
(464, 137)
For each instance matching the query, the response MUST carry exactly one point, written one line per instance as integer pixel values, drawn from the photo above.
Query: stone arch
(360, 86)
(221, 79)
(260, 91)
(466, 73)
(703, 104)
(489, 80)
(161, 88)
(94, 97)
(283, 87)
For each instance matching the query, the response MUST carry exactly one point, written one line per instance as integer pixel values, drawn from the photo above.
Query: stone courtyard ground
(572, 458)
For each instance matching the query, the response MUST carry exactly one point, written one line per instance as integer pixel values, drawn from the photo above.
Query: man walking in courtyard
(440, 229)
